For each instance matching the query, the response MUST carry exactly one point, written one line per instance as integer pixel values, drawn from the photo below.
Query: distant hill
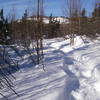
(61, 19)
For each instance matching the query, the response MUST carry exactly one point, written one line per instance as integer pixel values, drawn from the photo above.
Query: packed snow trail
(86, 67)
(71, 73)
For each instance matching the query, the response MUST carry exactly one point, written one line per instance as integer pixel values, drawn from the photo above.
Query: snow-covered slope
(71, 73)
(46, 19)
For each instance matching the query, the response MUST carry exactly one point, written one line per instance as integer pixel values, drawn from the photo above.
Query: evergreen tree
(25, 14)
(1, 15)
(5, 35)
(1, 25)
(83, 13)
(96, 12)
(54, 27)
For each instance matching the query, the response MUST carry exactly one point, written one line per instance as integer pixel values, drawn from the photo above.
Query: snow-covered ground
(71, 73)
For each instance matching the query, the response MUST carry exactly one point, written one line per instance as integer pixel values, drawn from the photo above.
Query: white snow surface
(71, 73)
(46, 20)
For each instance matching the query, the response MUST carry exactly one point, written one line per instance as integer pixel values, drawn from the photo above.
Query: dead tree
(39, 32)
(73, 13)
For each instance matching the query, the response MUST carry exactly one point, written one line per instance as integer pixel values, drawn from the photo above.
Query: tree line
(79, 23)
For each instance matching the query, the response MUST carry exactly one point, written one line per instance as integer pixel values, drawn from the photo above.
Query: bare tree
(39, 33)
(73, 11)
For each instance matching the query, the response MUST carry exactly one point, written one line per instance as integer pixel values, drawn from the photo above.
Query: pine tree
(5, 35)
(83, 12)
(25, 14)
(96, 12)
(1, 15)
(54, 27)
(1, 26)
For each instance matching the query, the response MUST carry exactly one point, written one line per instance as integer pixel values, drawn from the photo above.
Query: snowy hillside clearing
(71, 73)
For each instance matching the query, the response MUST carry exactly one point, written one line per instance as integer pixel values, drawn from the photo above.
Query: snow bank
(87, 68)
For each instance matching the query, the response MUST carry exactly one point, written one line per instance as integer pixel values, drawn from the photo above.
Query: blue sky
(51, 6)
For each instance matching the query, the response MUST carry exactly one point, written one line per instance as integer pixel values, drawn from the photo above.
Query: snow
(59, 19)
(62, 20)
(71, 73)
(46, 19)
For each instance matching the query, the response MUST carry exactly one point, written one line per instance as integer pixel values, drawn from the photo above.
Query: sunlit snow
(71, 73)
